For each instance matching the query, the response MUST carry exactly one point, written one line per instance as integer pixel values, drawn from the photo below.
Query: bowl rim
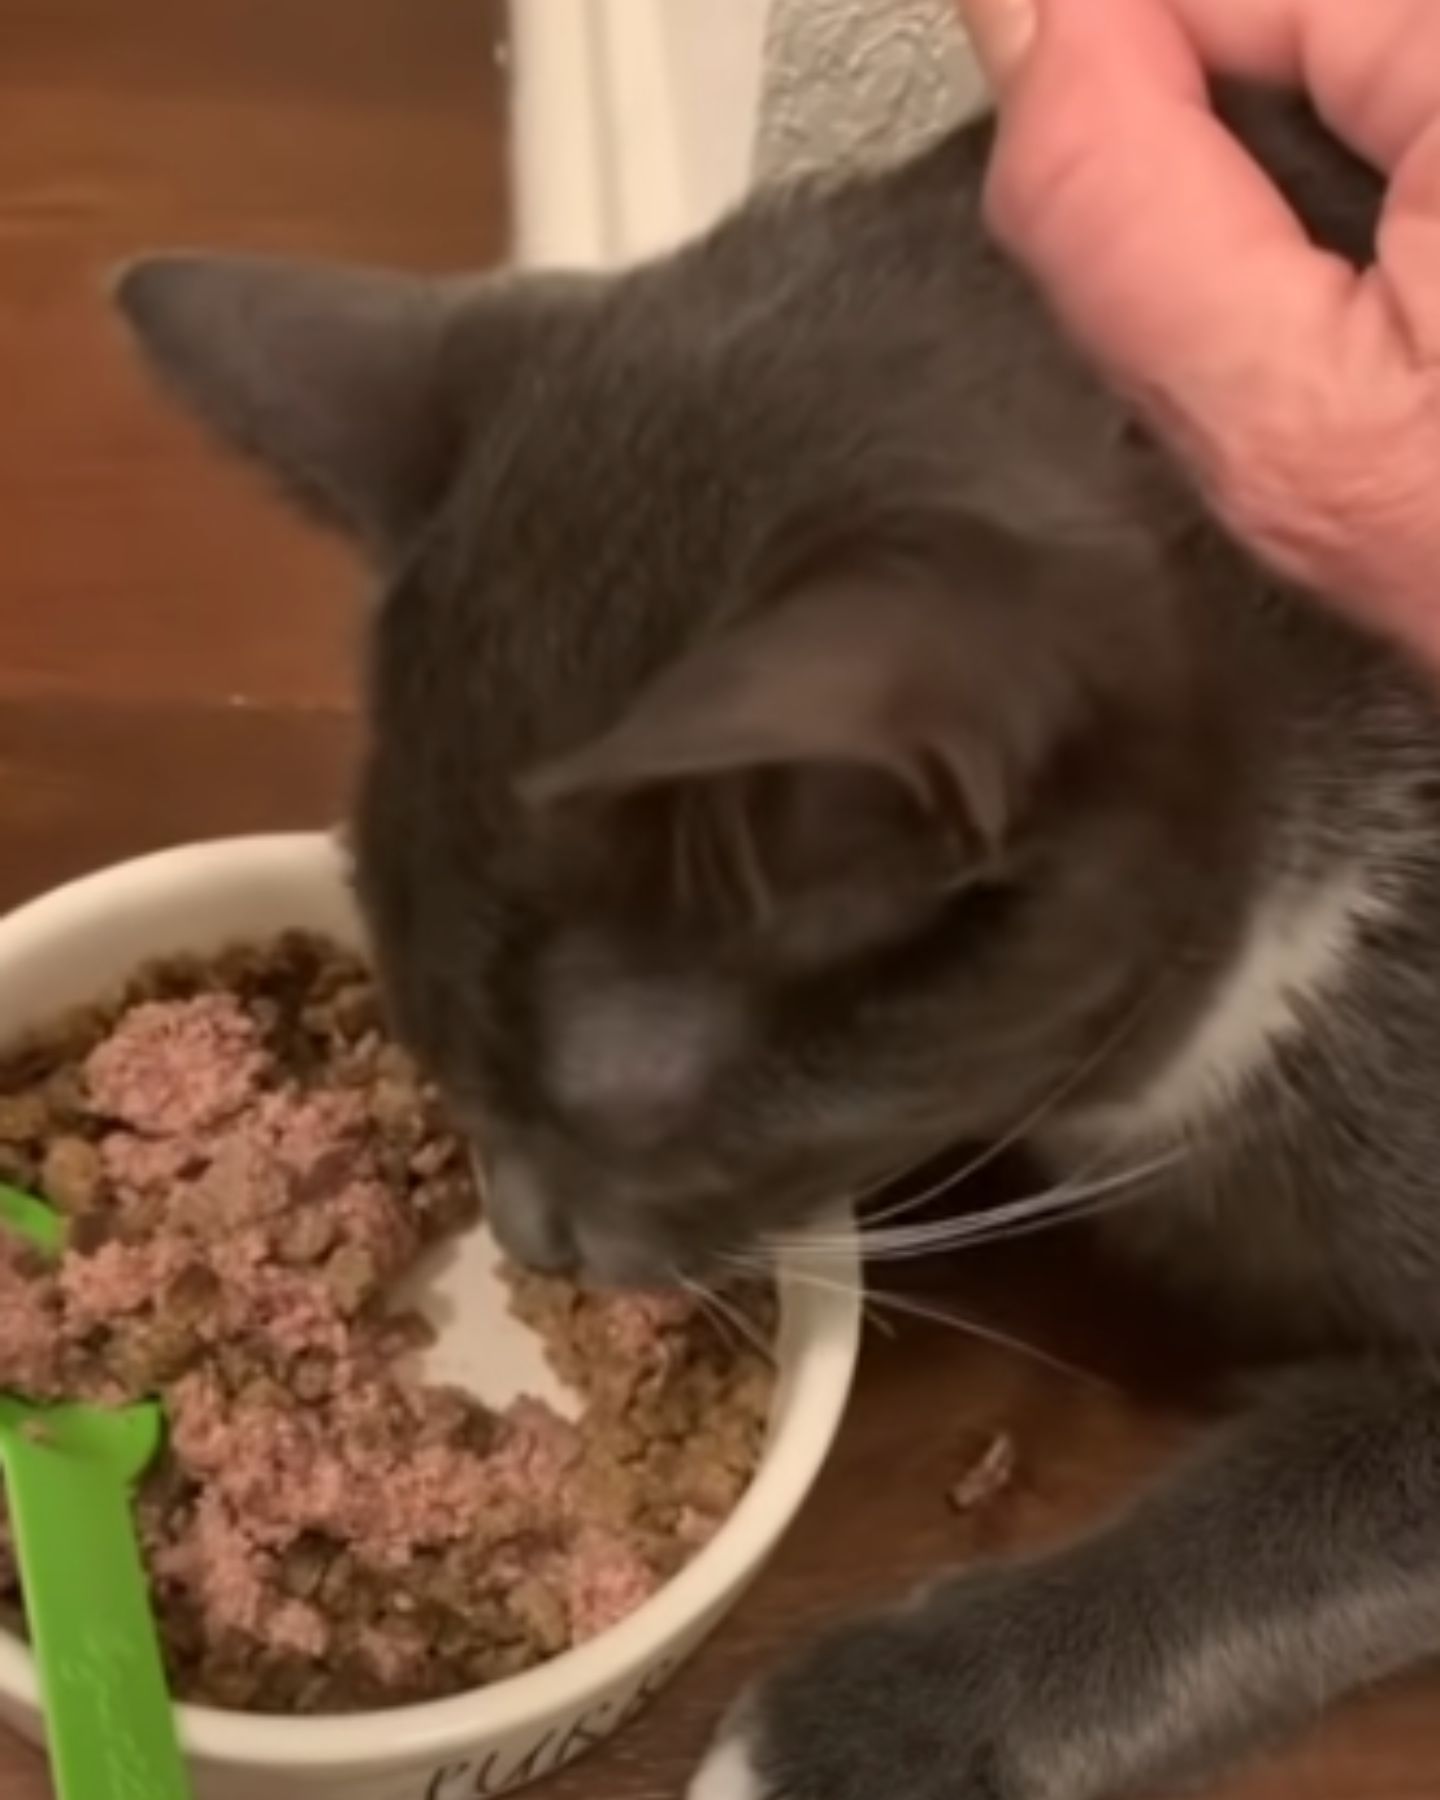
(822, 1323)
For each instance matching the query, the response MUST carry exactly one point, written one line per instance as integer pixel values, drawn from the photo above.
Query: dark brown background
(175, 661)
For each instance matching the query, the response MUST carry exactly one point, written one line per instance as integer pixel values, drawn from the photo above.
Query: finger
(1156, 234)
(1372, 66)
(1001, 32)
(1406, 278)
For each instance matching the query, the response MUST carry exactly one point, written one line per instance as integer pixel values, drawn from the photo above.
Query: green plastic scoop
(70, 1472)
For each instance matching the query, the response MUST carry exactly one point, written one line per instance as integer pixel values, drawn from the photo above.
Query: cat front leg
(1295, 1557)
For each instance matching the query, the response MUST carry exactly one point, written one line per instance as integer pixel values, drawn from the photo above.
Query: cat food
(988, 1475)
(249, 1168)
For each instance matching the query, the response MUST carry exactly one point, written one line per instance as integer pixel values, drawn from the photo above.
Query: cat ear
(883, 677)
(331, 378)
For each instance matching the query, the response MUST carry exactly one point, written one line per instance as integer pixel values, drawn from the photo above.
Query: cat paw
(896, 1706)
(729, 1773)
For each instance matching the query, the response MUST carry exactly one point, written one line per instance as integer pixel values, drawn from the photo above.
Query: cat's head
(774, 773)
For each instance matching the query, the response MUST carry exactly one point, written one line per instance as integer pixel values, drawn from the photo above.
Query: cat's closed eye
(873, 924)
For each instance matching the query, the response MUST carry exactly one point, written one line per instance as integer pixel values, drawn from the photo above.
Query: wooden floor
(176, 657)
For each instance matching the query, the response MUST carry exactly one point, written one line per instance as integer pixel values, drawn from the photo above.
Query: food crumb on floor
(989, 1474)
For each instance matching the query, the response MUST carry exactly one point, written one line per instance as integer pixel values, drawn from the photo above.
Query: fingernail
(1002, 32)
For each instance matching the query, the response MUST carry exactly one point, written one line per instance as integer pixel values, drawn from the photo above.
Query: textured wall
(859, 81)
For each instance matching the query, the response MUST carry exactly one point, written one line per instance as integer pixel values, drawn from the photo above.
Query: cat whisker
(722, 1308)
(1088, 1064)
(1055, 1205)
(877, 1320)
(1069, 1200)
(907, 1306)
(724, 1329)
(877, 1184)
(752, 1266)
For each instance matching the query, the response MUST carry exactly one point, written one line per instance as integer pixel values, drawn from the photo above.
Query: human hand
(1303, 393)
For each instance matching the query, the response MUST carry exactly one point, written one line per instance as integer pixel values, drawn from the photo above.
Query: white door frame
(634, 122)
(638, 122)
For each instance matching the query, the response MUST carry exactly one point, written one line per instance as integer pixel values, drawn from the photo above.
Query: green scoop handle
(70, 1472)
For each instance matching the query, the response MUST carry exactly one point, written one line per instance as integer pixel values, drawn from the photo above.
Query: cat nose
(527, 1224)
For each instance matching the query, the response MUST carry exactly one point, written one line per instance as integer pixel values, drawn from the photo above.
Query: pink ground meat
(175, 1068)
(118, 1280)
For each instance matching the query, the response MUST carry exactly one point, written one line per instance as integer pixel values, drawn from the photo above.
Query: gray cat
(809, 725)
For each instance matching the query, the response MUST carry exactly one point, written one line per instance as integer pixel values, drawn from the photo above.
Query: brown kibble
(500, 1662)
(19, 1167)
(72, 1177)
(446, 1205)
(394, 1064)
(475, 1432)
(305, 1565)
(233, 1677)
(194, 1293)
(397, 1109)
(717, 1487)
(29, 1062)
(399, 1335)
(434, 1155)
(261, 1391)
(316, 1022)
(24, 1117)
(339, 1581)
(90, 1231)
(66, 1095)
(543, 1614)
(364, 1054)
(266, 1014)
(145, 1354)
(352, 1277)
(312, 1378)
(306, 1237)
(355, 1012)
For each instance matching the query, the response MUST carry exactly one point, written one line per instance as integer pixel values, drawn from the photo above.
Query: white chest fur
(1295, 958)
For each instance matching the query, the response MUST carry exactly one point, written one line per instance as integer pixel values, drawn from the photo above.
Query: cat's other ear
(331, 378)
(958, 702)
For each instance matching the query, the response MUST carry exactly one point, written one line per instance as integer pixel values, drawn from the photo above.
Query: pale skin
(1304, 394)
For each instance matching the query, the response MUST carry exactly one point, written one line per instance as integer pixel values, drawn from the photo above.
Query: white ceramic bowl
(80, 943)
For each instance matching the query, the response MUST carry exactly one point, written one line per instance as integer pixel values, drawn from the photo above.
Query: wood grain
(175, 661)
(136, 568)
(176, 655)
